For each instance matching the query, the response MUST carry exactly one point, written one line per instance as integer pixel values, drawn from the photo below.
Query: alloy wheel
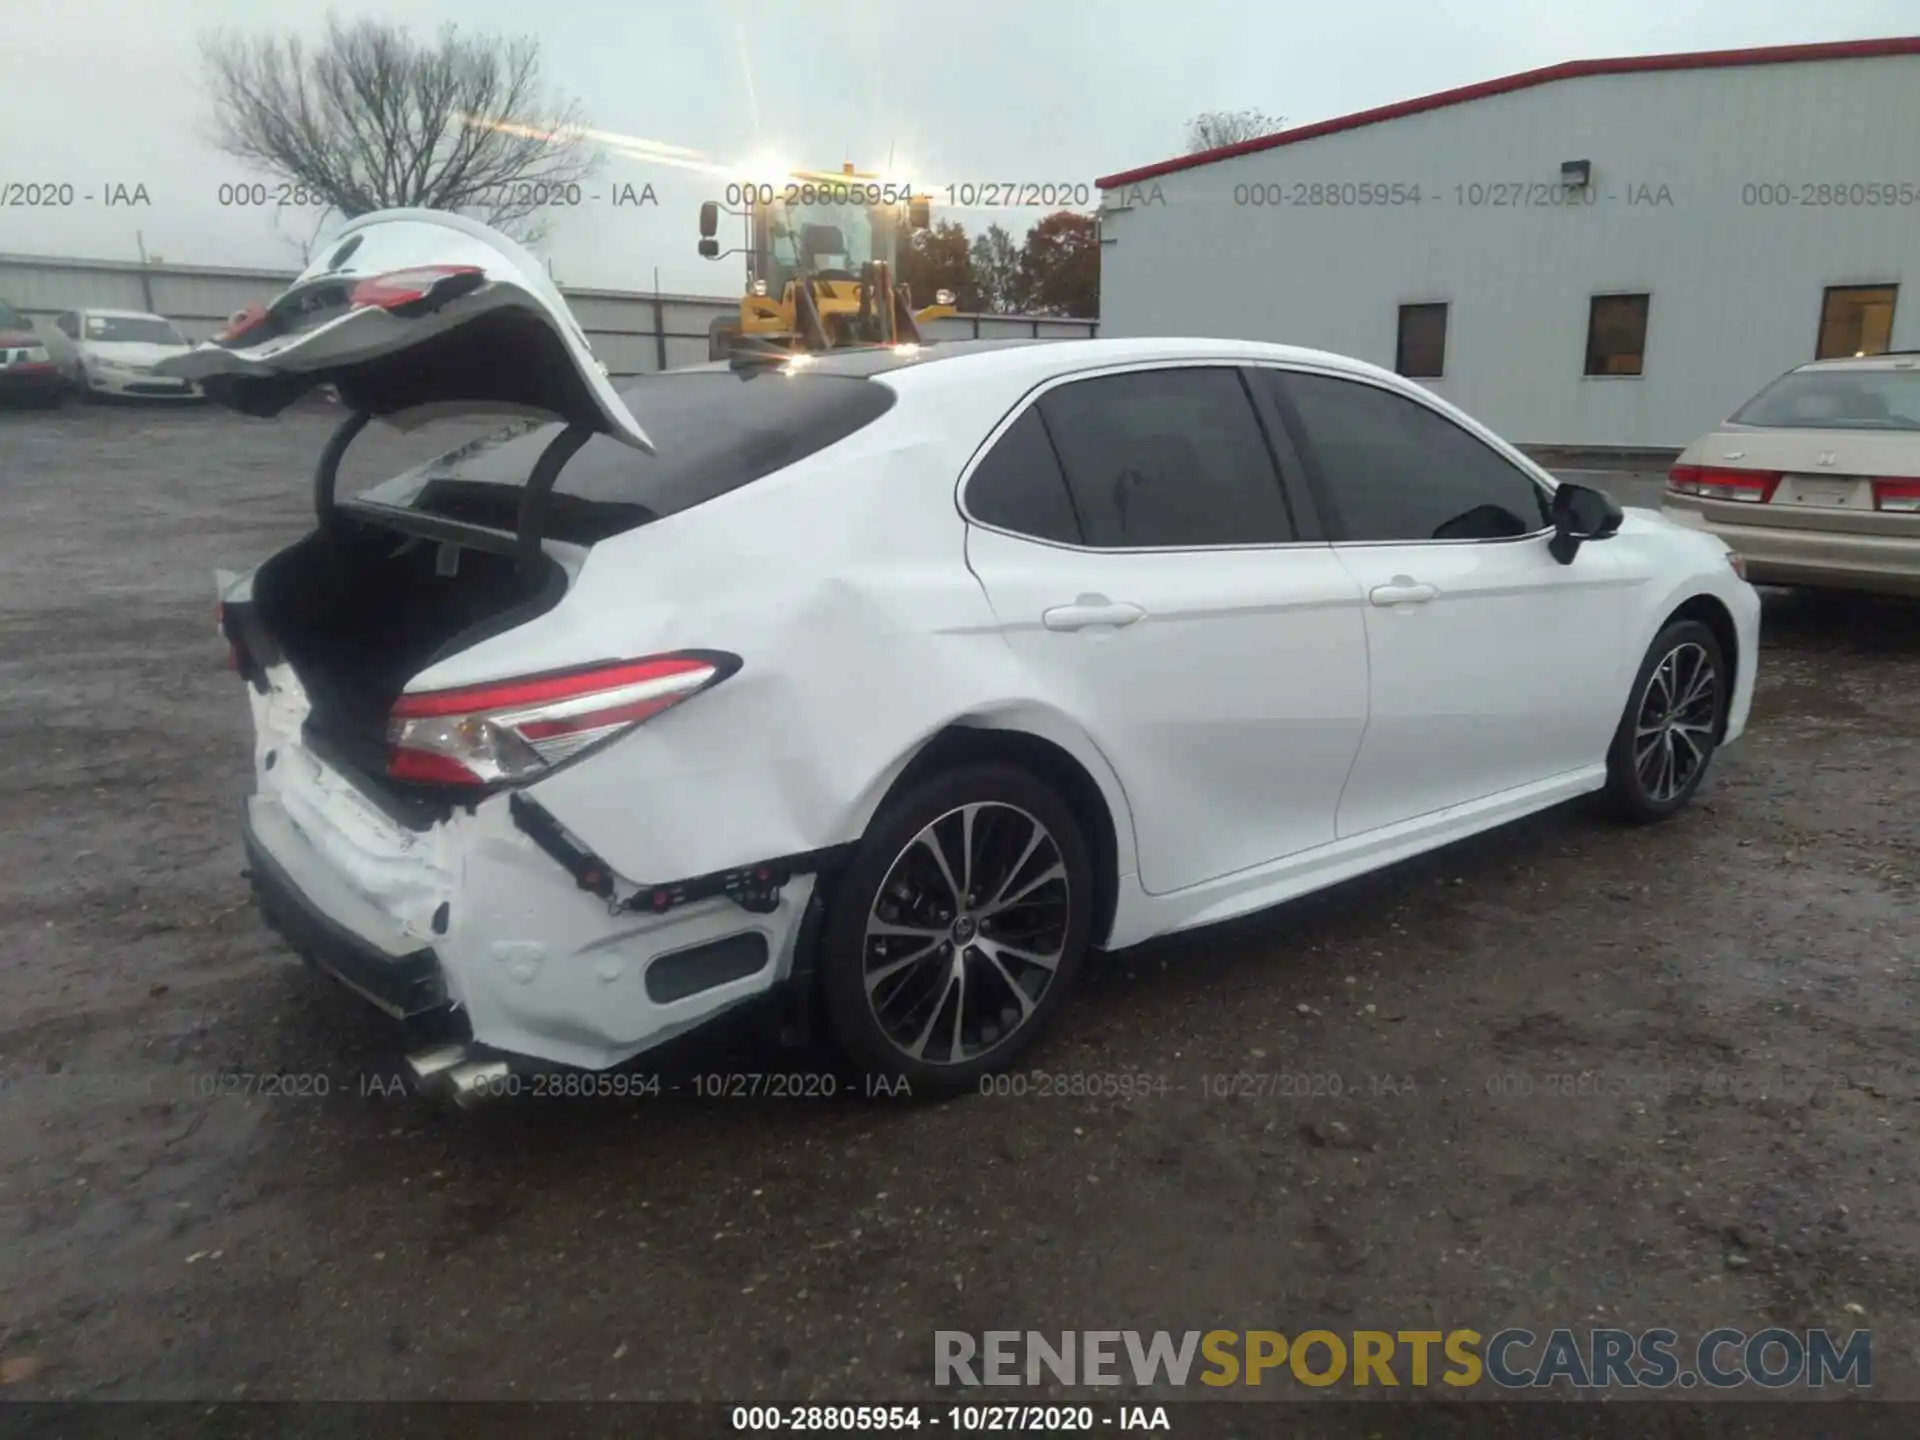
(966, 933)
(1673, 728)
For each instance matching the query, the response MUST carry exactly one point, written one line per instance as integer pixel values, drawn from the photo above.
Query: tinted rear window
(713, 431)
(1837, 400)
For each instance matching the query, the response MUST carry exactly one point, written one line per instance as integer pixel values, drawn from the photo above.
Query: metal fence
(633, 332)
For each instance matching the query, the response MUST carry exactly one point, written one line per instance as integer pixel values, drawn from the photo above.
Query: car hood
(414, 315)
(130, 352)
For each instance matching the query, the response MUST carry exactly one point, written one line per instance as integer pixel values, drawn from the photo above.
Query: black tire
(722, 335)
(1669, 730)
(996, 800)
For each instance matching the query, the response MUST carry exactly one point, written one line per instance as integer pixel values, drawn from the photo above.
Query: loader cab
(831, 242)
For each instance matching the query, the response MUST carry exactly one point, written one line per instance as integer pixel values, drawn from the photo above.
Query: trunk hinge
(327, 472)
(533, 501)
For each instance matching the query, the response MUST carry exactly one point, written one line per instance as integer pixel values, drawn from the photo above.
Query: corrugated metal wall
(1736, 284)
(633, 333)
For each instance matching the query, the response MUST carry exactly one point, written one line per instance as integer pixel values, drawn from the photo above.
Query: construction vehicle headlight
(760, 287)
(943, 297)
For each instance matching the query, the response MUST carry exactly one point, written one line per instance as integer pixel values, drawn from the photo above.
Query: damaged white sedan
(884, 684)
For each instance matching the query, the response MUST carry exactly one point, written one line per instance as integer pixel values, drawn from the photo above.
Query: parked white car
(115, 352)
(896, 679)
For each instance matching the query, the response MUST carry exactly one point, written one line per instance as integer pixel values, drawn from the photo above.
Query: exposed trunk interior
(358, 610)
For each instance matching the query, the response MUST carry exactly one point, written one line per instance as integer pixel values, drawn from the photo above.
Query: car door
(1491, 664)
(1133, 536)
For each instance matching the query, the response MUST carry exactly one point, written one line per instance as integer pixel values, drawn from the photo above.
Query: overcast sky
(106, 92)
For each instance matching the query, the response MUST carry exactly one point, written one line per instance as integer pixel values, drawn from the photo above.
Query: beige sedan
(1816, 480)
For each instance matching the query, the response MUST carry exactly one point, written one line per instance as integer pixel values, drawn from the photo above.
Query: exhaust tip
(430, 1065)
(476, 1081)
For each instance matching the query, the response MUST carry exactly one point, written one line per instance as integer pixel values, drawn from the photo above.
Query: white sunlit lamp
(764, 168)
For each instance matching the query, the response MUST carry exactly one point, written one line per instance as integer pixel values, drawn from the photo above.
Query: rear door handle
(1088, 611)
(1402, 590)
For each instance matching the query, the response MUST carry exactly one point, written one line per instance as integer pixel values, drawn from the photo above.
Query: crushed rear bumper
(469, 912)
(402, 985)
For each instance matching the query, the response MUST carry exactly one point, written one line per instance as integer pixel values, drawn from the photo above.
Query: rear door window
(714, 430)
(1169, 458)
(1019, 486)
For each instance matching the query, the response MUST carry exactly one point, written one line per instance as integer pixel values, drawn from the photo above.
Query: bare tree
(1213, 129)
(370, 119)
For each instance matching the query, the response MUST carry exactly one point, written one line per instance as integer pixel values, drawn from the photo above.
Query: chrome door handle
(1088, 611)
(1403, 590)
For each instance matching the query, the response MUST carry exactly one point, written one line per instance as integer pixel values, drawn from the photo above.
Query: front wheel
(1671, 726)
(955, 935)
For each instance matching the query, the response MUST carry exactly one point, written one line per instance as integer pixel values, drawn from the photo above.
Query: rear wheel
(722, 335)
(955, 935)
(1671, 726)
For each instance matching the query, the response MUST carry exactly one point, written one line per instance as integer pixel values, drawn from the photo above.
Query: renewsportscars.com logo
(1512, 1359)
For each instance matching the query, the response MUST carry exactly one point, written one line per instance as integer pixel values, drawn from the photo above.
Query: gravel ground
(1740, 981)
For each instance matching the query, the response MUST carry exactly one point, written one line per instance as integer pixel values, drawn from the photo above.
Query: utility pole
(146, 279)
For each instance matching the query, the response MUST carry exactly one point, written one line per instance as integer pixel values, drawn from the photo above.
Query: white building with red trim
(1606, 253)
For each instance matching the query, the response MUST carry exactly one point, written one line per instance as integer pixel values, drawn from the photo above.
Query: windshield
(144, 329)
(834, 238)
(12, 319)
(714, 431)
(1837, 400)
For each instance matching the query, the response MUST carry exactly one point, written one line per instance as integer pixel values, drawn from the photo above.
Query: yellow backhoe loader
(821, 253)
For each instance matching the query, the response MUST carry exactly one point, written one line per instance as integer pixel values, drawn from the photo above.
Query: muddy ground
(1741, 981)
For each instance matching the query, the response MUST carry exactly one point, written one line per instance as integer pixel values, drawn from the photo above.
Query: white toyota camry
(884, 685)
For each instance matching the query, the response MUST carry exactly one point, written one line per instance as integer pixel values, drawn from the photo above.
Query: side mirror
(709, 220)
(709, 249)
(1581, 513)
(919, 214)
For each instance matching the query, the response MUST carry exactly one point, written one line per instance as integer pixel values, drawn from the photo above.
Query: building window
(1422, 349)
(1855, 320)
(1617, 334)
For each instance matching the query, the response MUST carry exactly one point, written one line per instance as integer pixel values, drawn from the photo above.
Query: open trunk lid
(416, 315)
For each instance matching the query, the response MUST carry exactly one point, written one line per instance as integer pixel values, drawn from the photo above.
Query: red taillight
(1755, 487)
(403, 287)
(515, 729)
(240, 322)
(220, 624)
(1897, 495)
